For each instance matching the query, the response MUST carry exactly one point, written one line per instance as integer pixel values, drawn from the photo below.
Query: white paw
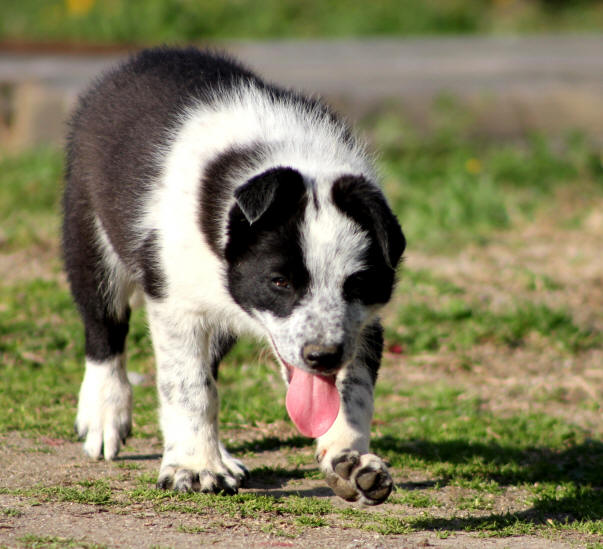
(104, 415)
(353, 476)
(221, 479)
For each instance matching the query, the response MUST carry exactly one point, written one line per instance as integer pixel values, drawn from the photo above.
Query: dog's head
(312, 262)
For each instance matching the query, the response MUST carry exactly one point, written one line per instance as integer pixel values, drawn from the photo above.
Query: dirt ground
(518, 379)
(27, 463)
(510, 382)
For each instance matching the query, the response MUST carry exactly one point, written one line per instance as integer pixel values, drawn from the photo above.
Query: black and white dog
(236, 207)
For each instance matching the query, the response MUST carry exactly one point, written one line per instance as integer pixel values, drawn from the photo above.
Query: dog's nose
(322, 357)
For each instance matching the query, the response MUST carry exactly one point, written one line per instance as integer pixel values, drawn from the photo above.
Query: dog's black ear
(364, 203)
(260, 192)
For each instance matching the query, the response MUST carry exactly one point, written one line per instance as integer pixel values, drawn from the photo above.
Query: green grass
(455, 324)
(156, 21)
(448, 194)
(414, 498)
(33, 541)
(449, 191)
(29, 198)
(39, 335)
(89, 492)
(11, 512)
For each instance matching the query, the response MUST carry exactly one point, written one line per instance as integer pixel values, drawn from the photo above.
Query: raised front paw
(353, 477)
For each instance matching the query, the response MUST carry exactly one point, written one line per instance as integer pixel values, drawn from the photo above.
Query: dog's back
(124, 125)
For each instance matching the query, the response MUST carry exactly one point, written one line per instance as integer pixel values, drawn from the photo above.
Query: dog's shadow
(316, 492)
(138, 457)
(506, 465)
(578, 465)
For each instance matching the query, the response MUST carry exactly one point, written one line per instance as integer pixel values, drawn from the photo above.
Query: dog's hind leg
(100, 290)
(343, 451)
(187, 353)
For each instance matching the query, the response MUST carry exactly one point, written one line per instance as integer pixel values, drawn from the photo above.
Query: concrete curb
(508, 86)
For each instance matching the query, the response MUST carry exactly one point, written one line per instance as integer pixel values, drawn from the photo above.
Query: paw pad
(359, 477)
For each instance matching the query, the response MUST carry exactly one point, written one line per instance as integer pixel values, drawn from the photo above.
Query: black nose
(322, 357)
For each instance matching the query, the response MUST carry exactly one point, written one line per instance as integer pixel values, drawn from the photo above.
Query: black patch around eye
(267, 249)
(370, 287)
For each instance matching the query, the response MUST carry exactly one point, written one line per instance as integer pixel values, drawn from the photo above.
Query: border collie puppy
(235, 206)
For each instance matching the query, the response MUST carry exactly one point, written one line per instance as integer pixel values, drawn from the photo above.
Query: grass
(460, 466)
(32, 541)
(89, 492)
(11, 512)
(448, 191)
(138, 21)
(29, 198)
(454, 324)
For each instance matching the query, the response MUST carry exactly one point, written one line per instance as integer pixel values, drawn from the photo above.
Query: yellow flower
(473, 166)
(79, 7)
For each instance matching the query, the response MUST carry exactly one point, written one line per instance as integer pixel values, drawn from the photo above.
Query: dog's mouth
(312, 400)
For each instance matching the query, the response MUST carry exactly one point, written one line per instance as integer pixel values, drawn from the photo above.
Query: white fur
(104, 414)
(331, 243)
(120, 283)
(198, 304)
(312, 145)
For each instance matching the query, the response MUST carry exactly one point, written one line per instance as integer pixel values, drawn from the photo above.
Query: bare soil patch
(29, 463)
(539, 263)
(37, 262)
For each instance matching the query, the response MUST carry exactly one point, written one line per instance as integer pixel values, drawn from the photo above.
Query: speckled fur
(235, 207)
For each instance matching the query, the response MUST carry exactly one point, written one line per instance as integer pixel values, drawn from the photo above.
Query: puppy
(235, 206)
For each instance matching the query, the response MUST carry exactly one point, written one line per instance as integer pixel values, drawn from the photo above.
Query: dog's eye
(280, 282)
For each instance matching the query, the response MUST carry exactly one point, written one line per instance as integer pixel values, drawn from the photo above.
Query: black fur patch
(218, 183)
(372, 348)
(107, 338)
(221, 343)
(260, 253)
(105, 328)
(126, 118)
(258, 194)
(365, 204)
(153, 279)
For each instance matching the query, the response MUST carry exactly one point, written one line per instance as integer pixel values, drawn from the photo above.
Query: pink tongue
(312, 402)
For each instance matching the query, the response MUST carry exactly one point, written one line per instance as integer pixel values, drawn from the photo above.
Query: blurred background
(487, 117)
(505, 67)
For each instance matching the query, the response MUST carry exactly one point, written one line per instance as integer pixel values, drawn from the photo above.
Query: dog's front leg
(343, 451)
(193, 459)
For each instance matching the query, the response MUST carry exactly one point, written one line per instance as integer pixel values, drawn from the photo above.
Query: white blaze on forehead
(333, 246)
